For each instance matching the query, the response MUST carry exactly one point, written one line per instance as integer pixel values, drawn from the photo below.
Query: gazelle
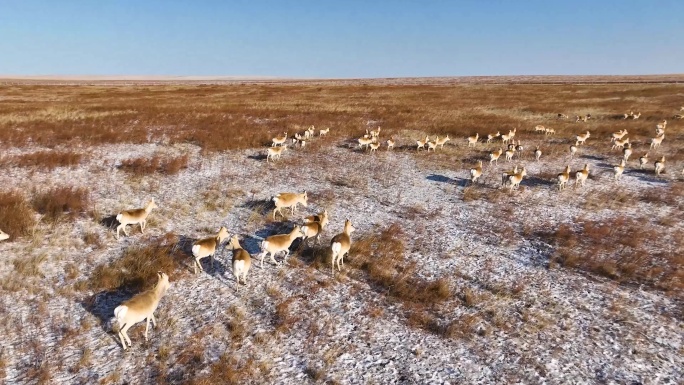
(390, 144)
(3, 235)
(678, 117)
(431, 146)
(629, 115)
(562, 116)
(636, 116)
(340, 245)
(494, 156)
(324, 132)
(655, 142)
(582, 175)
(506, 174)
(365, 142)
(681, 108)
(374, 146)
(312, 230)
(241, 262)
(505, 138)
(549, 131)
(321, 218)
(509, 154)
(519, 148)
(207, 248)
(643, 160)
(659, 131)
(515, 179)
(473, 139)
(582, 138)
(618, 135)
(539, 128)
(491, 137)
(442, 142)
(278, 140)
(619, 169)
(274, 244)
(375, 133)
(662, 125)
(290, 200)
(421, 143)
(135, 216)
(659, 165)
(582, 118)
(619, 143)
(311, 131)
(537, 154)
(563, 178)
(476, 172)
(139, 308)
(274, 153)
(627, 152)
(573, 150)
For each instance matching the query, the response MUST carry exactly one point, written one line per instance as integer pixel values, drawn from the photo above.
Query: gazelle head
(222, 234)
(348, 228)
(304, 199)
(162, 282)
(151, 204)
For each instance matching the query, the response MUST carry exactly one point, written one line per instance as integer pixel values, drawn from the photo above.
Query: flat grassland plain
(446, 281)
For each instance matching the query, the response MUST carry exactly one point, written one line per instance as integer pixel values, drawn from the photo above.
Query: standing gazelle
(582, 138)
(275, 152)
(619, 169)
(618, 135)
(472, 140)
(573, 150)
(582, 175)
(279, 140)
(494, 156)
(241, 262)
(340, 245)
(655, 142)
(390, 143)
(491, 137)
(207, 248)
(274, 244)
(537, 154)
(563, 178)
(643, 160)
(291, 200)
(139, 308)
(627, 152)
(420, 144)
(442, 142)
(476, 172)
(135, 216)
(515, 179)
(659, 165)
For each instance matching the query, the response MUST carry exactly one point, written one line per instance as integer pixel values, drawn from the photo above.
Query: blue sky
(327, 38)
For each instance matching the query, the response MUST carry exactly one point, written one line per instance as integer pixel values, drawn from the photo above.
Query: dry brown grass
(16, 217)
(48, 160)
(137, 268)
(62, 202)
(167, 165)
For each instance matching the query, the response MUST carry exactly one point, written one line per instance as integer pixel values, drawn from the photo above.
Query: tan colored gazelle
(629, 115)
(678, 117)
(582, 138)
(505, 138)
(618, 135)
(627, 152)
(135, 216)
(375, 133)
(539, 128)
(390, 143)
(3, 235)
(619, 143)
(509, 154)
(655, 142)
(619, 169)
(291, 200)
(241, 262)
(516, 178)
(659, 165)
(636, 116)
(582, 175)
(279, 140)
(563, 178)
(494, 156)
(340, 245)
(506, 174)
(139, 308)
(573, 150)
(324, 132)
(562, 116)
(374, 147)
(321, 218)
(312, 230)
(643, 160)
(365, 142)
(274, 244)
(662, 125)
(431, 146)
(537, 154)
(275, 152)
(472, 140)
(491, 137)
(476, 172)
(442, 142)
(207, 248)
(549, 131)
(420, 144)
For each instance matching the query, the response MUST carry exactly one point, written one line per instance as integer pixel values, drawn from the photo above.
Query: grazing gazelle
(340, 245)
(506, 174)
(207, 248)
(659, 165)
(563, 178)
(582, 138)
(390, 143)
(619, 169)
(516, 178)
(619, 143)
(476, 172)
(627, 152)
(291, 200)
(618, 135)
(323, 132)
(472, 140)
(655, 142)
(135, 216)
(3, 235)
(494, 156)
(241, 262)
(139, 308)
(582, 175)
(421, 143)
(539, 128)
(365, 142)
(278, 140)
(274, 153)
(442, 142)
(274, 244)
(643, 160)
(537, 154)
(321, 218)
(374, 146)
(491, 137)
(573, 150)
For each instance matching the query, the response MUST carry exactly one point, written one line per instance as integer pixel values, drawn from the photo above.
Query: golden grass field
(447, 281)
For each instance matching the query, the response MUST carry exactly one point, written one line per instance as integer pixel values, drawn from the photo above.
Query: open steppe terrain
(447, 281)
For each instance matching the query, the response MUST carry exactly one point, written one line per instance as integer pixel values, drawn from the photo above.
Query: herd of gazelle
(279, 143)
